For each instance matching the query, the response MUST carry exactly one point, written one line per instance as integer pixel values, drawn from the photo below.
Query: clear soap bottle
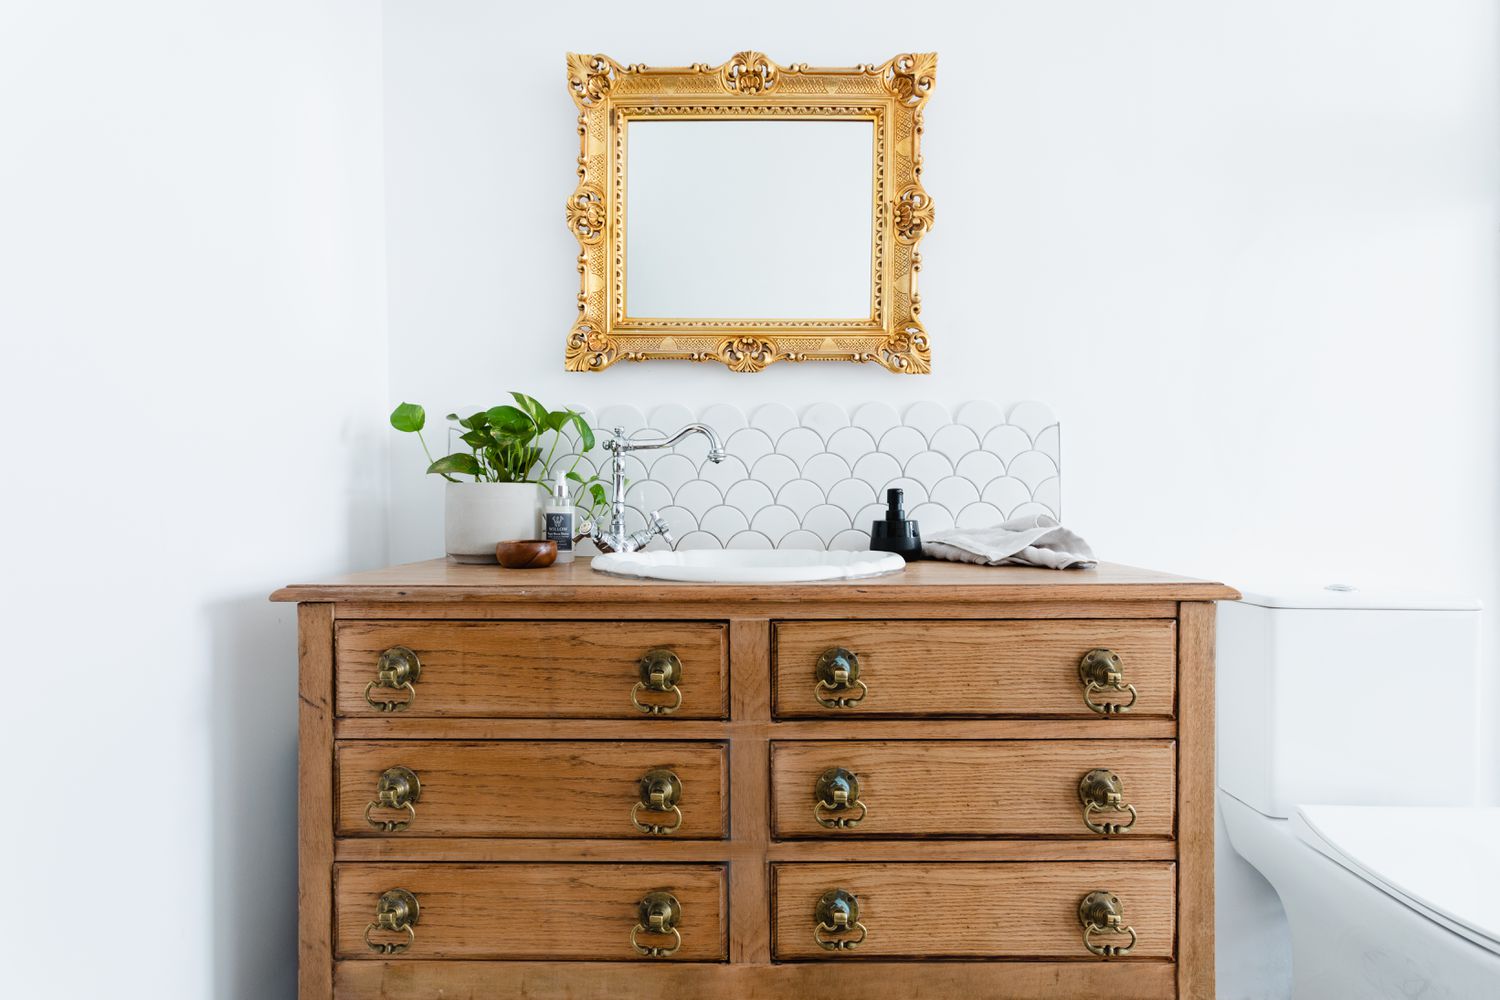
(558, 515)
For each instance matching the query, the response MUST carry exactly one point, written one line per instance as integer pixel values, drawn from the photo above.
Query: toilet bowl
(1348, 752)
(1371, 913)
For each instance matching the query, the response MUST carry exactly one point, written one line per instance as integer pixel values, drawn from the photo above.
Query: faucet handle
(662, 529)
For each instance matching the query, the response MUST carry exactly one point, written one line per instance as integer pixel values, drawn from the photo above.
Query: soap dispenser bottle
(558, 515)
(896, 533)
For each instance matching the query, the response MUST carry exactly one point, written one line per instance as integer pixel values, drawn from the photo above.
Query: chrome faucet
(616, 538)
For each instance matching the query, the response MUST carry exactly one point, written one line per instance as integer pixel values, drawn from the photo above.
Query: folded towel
(1029, 540)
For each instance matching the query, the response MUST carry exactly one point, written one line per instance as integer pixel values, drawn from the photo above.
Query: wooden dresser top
(438, 580)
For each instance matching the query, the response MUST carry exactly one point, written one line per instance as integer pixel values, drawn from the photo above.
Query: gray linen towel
(1029, 540)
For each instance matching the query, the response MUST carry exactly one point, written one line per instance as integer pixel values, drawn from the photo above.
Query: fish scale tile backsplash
(817, 480)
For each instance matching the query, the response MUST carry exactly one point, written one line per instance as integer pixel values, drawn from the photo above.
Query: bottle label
(560, 529)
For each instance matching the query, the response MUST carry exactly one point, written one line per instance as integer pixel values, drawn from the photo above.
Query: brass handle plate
(837, 672)
(396, 912)
(835, 799)
(397, 670)
(659, 915)
(398, 789)
(1100, 913)
(661, 790)
(835, 918)
(660, 672)
(1101, 670)
(1101, 791)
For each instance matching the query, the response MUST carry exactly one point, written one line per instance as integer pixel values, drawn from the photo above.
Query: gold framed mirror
(750, 212)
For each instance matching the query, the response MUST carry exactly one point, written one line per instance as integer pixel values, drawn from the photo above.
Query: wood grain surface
(973, 788)
(975, 668)
(1020, 910)
(536, 669)
(533, 911)
(512, 788)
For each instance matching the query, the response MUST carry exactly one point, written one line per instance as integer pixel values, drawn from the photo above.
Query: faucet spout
(616, 538)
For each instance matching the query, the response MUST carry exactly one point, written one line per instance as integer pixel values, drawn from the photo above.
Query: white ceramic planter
(477, 515)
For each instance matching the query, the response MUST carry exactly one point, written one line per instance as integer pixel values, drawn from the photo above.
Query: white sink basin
(747, 566)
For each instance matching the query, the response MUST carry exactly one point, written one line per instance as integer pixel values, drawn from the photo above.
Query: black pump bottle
(896, 533)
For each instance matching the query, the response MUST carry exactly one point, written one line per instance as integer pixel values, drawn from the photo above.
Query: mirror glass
(731, 219)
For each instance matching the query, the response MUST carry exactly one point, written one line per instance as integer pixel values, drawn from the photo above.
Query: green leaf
(585, 432)
(596, 491)
(477, 421)
(408, 417)
(575, 477)
(464, 465)
(511, 421)
(475, 439)
(556, 419)
(535, 410)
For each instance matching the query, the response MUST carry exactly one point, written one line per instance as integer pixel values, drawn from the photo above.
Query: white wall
(193, 346)
(1248, 251)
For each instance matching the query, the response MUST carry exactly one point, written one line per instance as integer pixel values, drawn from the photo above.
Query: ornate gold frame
(891, 95)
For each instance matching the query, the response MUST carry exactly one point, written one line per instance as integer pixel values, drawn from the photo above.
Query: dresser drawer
(972, 788)
(528, 911)
(971, 668)
(531, 670)
(1017, 910)
(531, 789)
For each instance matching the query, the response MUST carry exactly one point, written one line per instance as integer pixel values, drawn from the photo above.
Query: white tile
(698, 496)
(955, 493)
(955, 441)
(928, 468)
(901, 443)
(852, 540)
(775, 522)
(979, 467)
(773, 418)
(1006, 493)
(749, 495)
(851, 495)
(875, 417)
(1007, 442)
(826, 521)
(697, 540)
(724, 474)
(979, 416)
(801, 496)
(801, 539)
(931, 516)
(1049, 493)
(775, 471)
(799, 444)
(1049, 443)
(648, 494)
(825, 417)
(826, 470)
(1031, 467)
(851, 443)
(669, 418)
(1027, 509)
(927, 416)
(724, 521)
(679, 519)
(979, 515)
(724, 418)
(1031, 417)
(749, 444)
(671, 470)
(619, 415)
(749, 540)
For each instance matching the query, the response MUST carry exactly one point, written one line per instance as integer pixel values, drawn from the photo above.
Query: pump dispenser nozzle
(896, 533)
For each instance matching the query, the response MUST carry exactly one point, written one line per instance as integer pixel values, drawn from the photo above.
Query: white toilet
(1348, 755)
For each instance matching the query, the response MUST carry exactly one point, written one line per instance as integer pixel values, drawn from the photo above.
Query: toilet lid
(1439, 861)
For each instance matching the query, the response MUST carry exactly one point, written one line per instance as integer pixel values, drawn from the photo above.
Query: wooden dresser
(955, 782)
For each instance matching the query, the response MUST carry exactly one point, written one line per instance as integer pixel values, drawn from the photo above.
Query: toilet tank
(1347, 697)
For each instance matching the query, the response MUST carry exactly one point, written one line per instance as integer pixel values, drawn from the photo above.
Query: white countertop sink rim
(749, 565)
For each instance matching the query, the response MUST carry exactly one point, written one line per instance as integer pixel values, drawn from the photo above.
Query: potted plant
(507, 469)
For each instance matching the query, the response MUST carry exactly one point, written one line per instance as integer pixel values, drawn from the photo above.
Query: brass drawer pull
(659, 913)
(838, 671)
(660, 671)
(660, 791)
(837, 914)
(396, 912)
(399, 788)
(1101, 670)
(1100, 913)
(1102, 791)
(836, 796)
(398, 669)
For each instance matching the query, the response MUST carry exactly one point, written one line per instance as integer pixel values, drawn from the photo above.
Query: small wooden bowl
(529, 553)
